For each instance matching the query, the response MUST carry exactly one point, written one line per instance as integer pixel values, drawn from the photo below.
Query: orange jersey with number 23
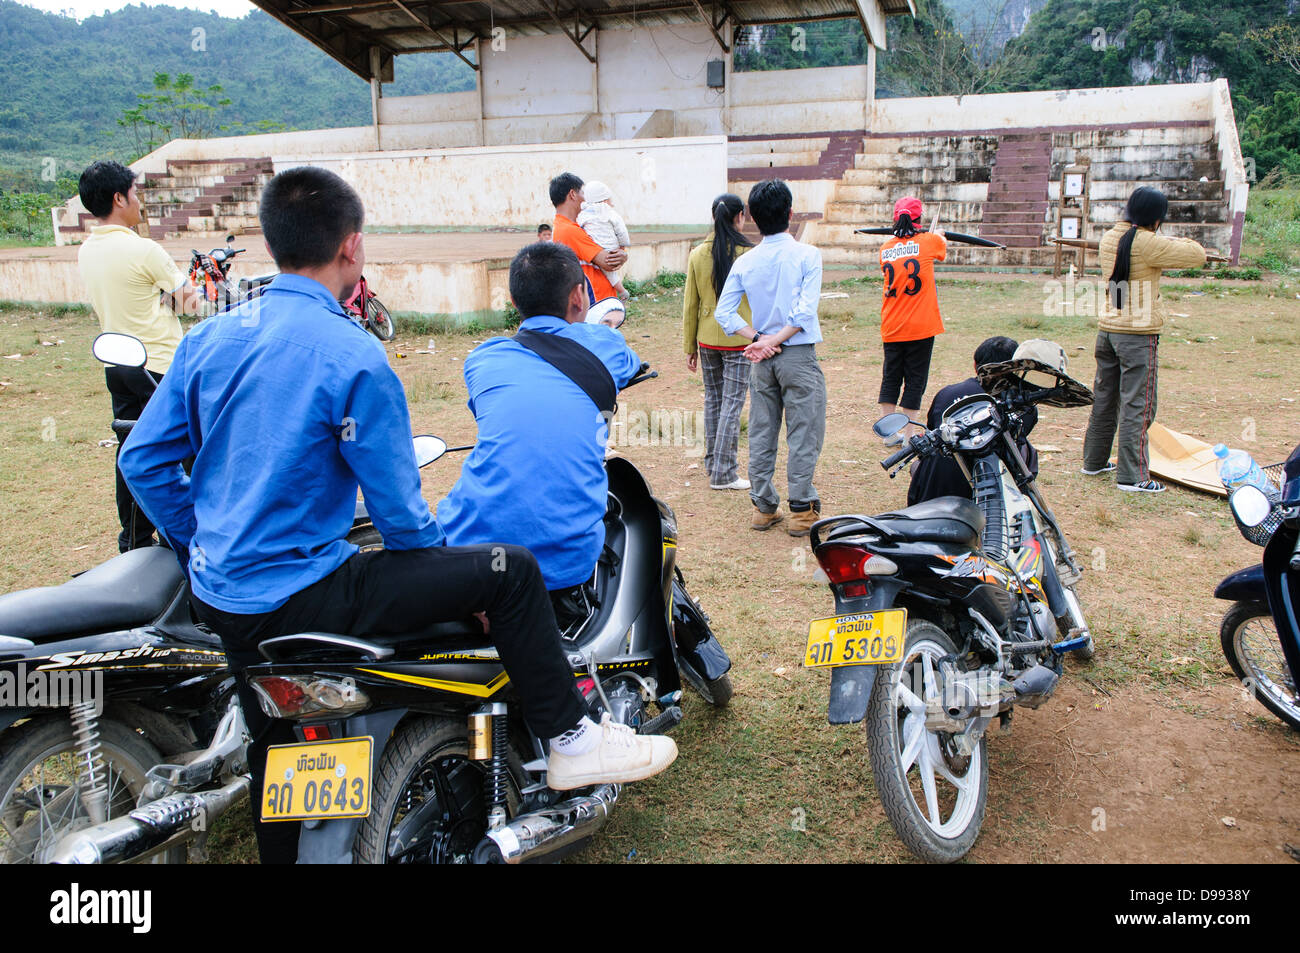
(909, 310)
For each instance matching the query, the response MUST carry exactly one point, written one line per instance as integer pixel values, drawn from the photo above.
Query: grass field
(1154, 734)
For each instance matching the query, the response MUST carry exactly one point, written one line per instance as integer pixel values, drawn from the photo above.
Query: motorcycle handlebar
(898, 457)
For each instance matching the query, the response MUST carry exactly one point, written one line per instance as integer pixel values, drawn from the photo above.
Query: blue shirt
(286, 406)
(536, 476)
(782, 278)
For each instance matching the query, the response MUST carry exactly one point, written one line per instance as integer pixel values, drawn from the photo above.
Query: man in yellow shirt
(135, 288)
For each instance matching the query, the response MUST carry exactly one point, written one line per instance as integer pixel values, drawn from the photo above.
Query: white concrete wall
(826, 99)
(1058, 107)
(1230, 159)
(655, 181)
(536, 76)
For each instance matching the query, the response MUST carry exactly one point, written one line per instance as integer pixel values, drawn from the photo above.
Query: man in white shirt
(782, 279)
(135, 288)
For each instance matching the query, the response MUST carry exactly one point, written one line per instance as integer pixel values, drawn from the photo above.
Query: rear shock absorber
(986, 480)
(92, 773)
(489, 740)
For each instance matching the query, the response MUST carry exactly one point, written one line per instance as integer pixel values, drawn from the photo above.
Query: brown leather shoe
(801, 522)
(764, 521)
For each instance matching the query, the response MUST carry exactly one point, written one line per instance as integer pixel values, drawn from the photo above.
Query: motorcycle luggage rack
(821, 526)
(285, 647)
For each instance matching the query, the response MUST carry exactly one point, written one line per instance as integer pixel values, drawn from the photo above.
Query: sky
(80, 9)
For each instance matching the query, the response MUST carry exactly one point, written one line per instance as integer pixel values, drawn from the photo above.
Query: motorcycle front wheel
(40, 795)
(379, 320)
(428, 804)
(1250, 644)
(934, 797)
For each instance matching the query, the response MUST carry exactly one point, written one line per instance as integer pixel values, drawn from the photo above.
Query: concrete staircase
(1016, 203)
(194, 196)
(1004, 185)
(206, 195)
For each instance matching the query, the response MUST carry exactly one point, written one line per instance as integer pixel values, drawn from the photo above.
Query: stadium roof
(348, 29)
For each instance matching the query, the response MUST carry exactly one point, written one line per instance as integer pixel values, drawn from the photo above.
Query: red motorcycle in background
(210, 274)
(370, 311)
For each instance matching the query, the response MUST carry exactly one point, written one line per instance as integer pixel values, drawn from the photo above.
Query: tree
(173, 110)
(1281, 43)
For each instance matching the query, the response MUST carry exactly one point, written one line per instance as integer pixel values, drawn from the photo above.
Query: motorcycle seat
(458, 635)
(945, 519)
(129, 590)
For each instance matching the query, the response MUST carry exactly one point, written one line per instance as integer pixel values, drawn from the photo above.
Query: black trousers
(906, 363)
(130, 391)
(389, 591)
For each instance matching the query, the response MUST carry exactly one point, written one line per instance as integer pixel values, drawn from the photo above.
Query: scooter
(412, 748)
(1260, 633)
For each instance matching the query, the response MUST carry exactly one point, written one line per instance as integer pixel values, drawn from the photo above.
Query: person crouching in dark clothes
(941, 476)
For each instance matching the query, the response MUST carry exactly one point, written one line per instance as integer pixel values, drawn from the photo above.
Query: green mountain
(66, 83)
(1082, 43)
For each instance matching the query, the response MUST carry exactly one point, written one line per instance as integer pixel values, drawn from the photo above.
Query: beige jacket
(1144, 312)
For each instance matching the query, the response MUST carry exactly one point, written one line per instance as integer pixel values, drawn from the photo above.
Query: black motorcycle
(135, 744)
(1260, 633)
(413, 747)
(959, 609)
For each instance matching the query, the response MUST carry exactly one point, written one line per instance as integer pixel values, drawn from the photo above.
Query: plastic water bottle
(1238, 468)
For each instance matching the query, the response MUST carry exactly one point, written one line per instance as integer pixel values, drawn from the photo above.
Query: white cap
(596, 192)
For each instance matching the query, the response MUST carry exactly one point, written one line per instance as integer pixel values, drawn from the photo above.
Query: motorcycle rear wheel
(1250, 644)
(905, 757)
(421, 782)
(39, 804)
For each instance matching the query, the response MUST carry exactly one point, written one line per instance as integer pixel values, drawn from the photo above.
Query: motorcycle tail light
(284, 696)
(281, 697)
(844, 564)
(316, 733)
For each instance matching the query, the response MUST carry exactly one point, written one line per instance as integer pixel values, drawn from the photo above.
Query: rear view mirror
(1250, 505)
(121, 350)
(890, 424)
(609, 311)
(428, 448)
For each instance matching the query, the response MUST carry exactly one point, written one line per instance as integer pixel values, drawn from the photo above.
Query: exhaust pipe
(538, 834)
(149, 829)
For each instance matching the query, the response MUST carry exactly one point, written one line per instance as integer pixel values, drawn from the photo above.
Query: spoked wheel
(380, 322)
(40, 797)
(428, 805)
(1250, 643)
(932, 795)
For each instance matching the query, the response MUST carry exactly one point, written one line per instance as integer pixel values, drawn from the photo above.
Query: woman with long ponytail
(1132, 256)
(720, 358)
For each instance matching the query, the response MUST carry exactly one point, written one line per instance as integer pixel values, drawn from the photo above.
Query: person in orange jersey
(909, 312)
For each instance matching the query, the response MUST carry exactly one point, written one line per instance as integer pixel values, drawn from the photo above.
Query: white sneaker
(620, 756)
(737, 484)
(896, 440)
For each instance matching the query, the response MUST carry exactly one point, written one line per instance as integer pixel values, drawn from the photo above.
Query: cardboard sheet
(1181, 459)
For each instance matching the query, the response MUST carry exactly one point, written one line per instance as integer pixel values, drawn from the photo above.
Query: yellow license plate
(325, 779)
(866, 638)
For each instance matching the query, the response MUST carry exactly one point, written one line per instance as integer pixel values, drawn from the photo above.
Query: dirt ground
(1147, 754)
